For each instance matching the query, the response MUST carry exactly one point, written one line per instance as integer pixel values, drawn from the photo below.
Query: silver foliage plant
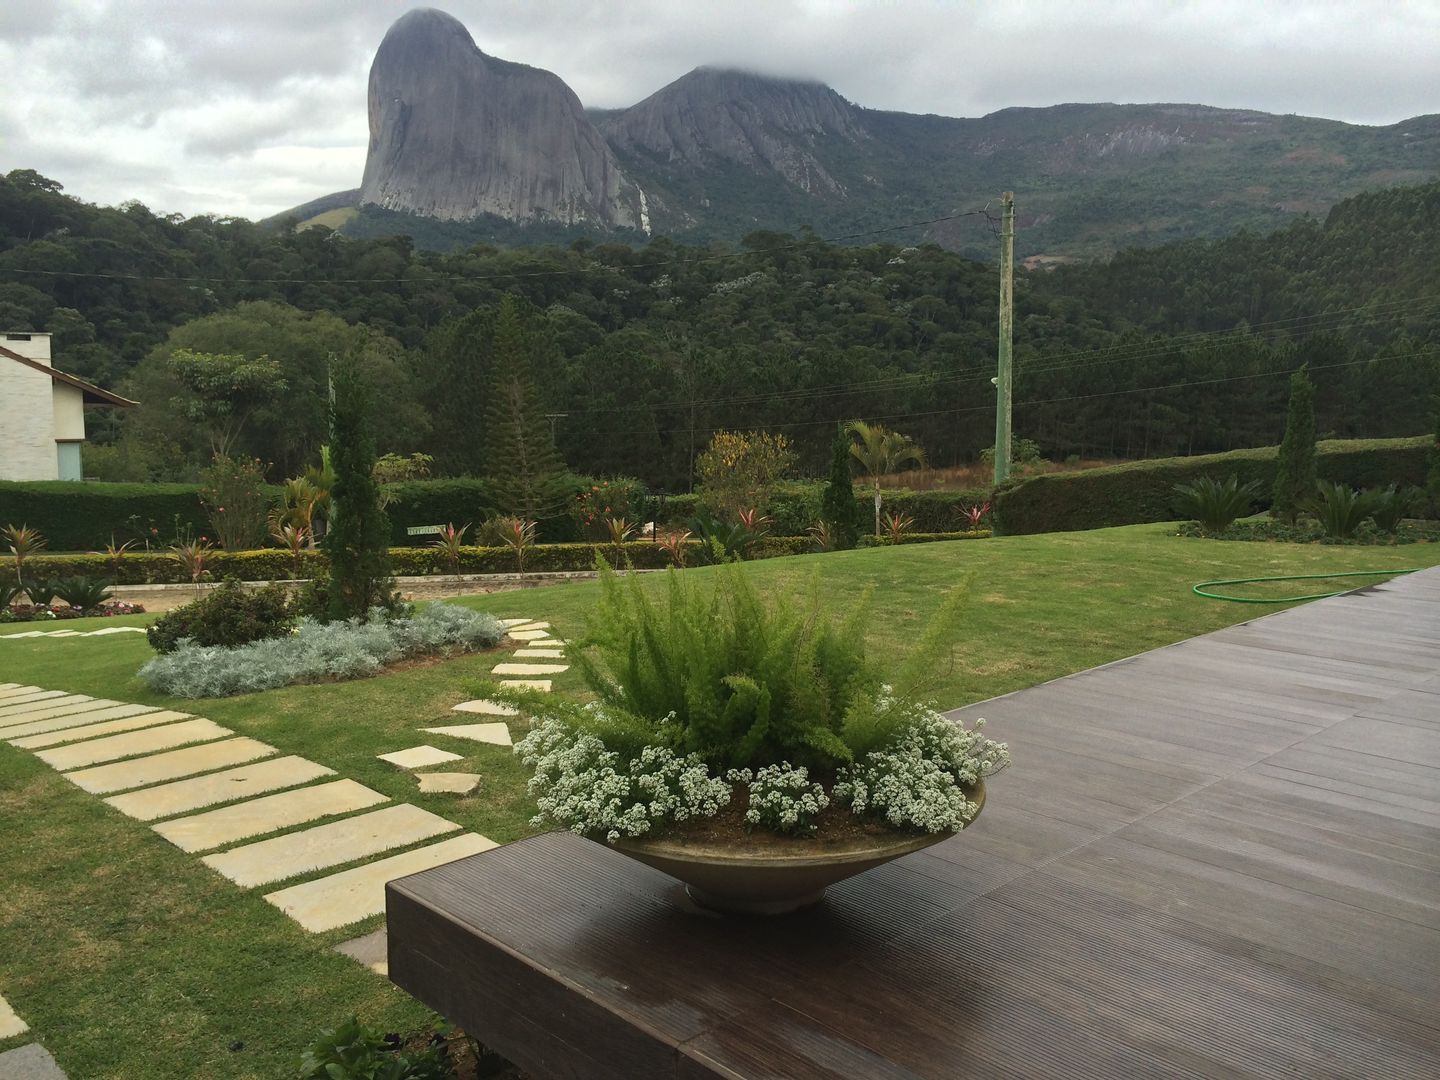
(319, 651)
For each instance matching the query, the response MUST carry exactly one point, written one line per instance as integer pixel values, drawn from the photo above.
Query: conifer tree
(1432, 477)
(1295, 467)
(527, 474)
(839, 507)
(357, 542)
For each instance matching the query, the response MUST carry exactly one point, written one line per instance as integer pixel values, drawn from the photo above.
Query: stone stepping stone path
(540, 654)
(220, 787)
(356, 894)
(29, 1062)
(132, 744)
(141, 772)
(495, 734)
(10, 1024)
(417, 757)
(448, 783)
(485, 707)
(155, 764)
(372, 950)
(270, 813)
(529, 635)
(104, 631)
(323, 846)
(529, 669)
(543, 685)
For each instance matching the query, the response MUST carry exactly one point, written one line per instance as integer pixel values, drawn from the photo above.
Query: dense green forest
(644, 352)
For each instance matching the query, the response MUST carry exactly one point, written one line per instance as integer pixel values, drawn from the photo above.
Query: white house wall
(69, 411)
(28, 408)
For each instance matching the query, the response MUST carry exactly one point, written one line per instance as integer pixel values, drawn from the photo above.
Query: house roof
(94, 395)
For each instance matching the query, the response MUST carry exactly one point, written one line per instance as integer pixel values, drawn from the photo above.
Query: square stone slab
(38, 710)
(30, 1062)
(450, 783)
(10, 1024)
(338, 842)
(227, 786)
(529, 635)
(90, 731)
(352, 895)
(148, 741)
(255, 817)
(12, 704)
(543, 685)
(116, 712)
(540, 654)
(514, 622)
(495, 734)
(533, 626)
(372, 950)
(168, 766)
(417, 757)
(529, 669)
(485, 707)
(46, 711)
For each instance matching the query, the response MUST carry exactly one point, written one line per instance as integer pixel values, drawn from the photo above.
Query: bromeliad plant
(450, 544)
(705, 697)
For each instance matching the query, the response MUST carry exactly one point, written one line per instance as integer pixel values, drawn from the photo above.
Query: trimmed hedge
(82, 516)
(1144, 491)
(870, 541)
(796, 507)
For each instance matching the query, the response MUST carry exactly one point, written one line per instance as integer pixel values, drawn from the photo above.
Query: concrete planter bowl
(770, 879)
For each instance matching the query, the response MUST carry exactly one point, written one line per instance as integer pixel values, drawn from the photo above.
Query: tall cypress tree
(357, 542)
(1432, 476)
(839, 508)
(1295, 467)
(527, 474)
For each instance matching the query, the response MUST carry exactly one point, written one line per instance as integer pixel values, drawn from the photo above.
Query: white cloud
(250, 106)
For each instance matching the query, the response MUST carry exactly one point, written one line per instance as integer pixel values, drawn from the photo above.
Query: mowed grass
(131, 959)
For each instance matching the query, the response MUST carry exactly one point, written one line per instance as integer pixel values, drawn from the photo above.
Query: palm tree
(880, 453)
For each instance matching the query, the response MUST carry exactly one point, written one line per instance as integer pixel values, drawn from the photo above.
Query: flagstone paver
(46, 711)
(540, 654)
(91, 731)
(328, 845)
(448, 783)
(496, 734)
(15, 689)
(102, 632)
(529, 669)
(371, 949)
(12, 704)
(255, 817)
(227, 786)
(528, 635)
(515, 622)
(119, 712)
(30, 1062)
(533, 626)
(417, 757)
(148, 741)
(10, 1024)
(358, 893)
(543, 685)
(37, 710)
(172, 765)
(486, 707)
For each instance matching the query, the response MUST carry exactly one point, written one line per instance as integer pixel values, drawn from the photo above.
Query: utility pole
(1002, 378)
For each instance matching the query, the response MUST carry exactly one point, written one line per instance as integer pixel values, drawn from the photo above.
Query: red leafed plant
(974, 515)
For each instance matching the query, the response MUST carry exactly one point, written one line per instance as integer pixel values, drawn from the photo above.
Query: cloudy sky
(248, 107)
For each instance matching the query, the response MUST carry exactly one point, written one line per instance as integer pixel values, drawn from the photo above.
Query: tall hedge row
(1143, 491)
(796, 507)
(80, 516)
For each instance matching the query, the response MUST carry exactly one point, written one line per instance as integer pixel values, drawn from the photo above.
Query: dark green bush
(1340, 509)
(231, 615)
(84, 516)
(1390, 506)
(82, 593)
(1216, 504)
(353, 1051)
(796, 507)
(1141, 491)
(924, 538)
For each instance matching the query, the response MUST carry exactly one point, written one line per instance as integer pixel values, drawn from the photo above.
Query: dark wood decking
(1220, 858)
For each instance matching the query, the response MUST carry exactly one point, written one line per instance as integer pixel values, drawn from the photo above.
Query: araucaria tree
(527, 474)
(880, 453)
(1295, 468)
(839, 508)
(357, 542)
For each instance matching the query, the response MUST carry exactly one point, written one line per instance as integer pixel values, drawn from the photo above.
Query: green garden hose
(1199, 590)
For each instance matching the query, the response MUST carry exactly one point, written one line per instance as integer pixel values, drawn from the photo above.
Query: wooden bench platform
(1217, 858)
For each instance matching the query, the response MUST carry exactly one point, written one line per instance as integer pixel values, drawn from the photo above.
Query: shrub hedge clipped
(924, 538)
(83, 516)
(796, 507)
(1142, 491)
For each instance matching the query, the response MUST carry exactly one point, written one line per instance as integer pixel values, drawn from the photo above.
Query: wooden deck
(1221, 858)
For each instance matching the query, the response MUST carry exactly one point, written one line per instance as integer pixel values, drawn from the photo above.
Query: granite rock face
(455, 134)
(763, 123)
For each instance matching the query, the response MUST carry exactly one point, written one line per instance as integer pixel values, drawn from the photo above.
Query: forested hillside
(647, 351)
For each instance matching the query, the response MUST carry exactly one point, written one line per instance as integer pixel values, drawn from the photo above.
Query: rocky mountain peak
(455, 133)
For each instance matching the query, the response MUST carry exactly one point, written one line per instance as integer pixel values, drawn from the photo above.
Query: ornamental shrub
(319, 652)
(739, 470)
(621, 497)
(840, 510)
(1216, 505)
(1295, 473)
(231, 615)
(233, 493)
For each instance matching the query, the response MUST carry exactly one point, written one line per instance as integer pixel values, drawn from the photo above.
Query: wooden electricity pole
(1007, 330)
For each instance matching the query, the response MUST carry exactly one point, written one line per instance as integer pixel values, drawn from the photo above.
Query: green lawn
(131, 959)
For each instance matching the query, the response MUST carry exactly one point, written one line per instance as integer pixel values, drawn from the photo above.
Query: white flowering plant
(722, 705)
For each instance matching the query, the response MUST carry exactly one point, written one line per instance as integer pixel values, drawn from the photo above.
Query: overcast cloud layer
(248, 107)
